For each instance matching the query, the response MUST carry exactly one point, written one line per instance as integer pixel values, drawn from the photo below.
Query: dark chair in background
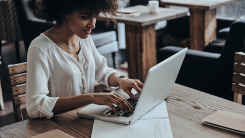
(223, 33)
(210, 72)
(216, 46)
(105, 39)
(9, 27)
(30, 26)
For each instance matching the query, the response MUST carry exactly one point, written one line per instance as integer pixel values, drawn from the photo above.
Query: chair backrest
(238, 87)
(25, 10)
(30, 25)
(17, 75)
(234, 41)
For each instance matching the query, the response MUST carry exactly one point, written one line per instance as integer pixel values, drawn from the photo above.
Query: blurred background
(18, 26)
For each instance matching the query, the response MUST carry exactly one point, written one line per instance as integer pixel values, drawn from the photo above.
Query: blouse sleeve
(38, 104)
(102, 71)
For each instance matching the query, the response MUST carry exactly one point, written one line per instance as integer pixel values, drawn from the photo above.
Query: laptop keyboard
(133, 102)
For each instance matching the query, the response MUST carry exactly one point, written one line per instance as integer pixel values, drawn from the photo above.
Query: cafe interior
(147, 32)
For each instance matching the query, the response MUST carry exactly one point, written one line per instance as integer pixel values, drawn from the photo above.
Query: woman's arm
(38, 104)
(112, 79)
(65, 104)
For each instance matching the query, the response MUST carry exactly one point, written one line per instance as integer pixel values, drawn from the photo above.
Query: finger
(125, 103)
(116, 101)
(113, 108)
(119, 100)
(139, 83)
(129, 93)
(136, 87)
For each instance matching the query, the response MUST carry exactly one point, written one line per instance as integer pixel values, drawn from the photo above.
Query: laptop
(157, 87)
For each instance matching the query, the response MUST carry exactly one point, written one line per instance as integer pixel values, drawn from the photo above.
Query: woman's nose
(92, 23)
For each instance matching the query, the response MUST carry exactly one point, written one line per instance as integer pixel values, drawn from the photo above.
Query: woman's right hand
(112, 98)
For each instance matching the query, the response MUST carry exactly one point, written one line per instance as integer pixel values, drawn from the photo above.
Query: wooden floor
(9, 57)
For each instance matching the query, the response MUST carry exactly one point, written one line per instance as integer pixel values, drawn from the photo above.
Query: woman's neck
(62, 35)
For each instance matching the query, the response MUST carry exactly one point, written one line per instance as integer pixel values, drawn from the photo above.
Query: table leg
(141, 50)
(1, 94)
(1, 97)
(203, 26)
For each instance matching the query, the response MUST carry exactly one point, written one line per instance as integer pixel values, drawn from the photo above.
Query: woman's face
(80, 23)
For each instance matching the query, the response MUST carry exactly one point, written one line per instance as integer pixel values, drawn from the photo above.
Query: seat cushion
(102, 37)
(226, 30)
(215, 46)
(108, 48)
(223, 33)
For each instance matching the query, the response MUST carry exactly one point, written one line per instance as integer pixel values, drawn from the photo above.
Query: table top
(146, 18)
(198, 4)
(186, 108)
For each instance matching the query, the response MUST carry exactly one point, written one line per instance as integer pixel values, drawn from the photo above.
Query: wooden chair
(238, 87)
(17, 74)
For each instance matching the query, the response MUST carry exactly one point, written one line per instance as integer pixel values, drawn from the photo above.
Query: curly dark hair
(55, 10)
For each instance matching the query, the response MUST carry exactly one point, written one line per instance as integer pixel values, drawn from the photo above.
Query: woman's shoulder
(41, 42)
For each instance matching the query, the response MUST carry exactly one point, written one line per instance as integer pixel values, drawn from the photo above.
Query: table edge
(198, 6)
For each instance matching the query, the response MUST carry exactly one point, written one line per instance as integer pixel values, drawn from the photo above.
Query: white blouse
(53, 73)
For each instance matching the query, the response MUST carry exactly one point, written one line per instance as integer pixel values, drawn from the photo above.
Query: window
(234, 10)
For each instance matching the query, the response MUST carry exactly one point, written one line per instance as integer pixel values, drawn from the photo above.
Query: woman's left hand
(127, 84)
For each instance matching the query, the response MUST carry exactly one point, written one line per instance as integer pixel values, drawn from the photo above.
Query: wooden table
(203, 21)
(186, 108)
(141, 38)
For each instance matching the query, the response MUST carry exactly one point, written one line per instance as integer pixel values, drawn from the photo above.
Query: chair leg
(1, 52)
(1, 94)
(1, 97)
(114, 59)
(238, 98)
(17, 113)
(17, 51)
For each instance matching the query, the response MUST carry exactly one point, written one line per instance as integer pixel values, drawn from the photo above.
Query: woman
(63, 62)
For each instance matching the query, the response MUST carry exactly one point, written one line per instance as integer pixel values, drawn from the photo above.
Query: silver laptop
(157, 87)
